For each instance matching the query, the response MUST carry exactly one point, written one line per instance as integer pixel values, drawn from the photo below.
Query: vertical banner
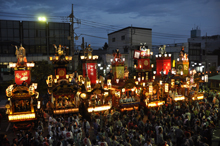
(21, 76)
(185, 68)
(91, 69)
(61, 72)
(163, 63)
(120, 72)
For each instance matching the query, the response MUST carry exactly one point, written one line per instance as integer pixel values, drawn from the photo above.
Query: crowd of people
(189, 123)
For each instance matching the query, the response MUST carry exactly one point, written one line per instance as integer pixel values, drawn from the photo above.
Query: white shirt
(69, 135)
(36, 135)
(102, 143)
(87, 142)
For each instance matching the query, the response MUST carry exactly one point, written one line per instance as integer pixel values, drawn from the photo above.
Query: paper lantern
(166, 87)
(150, 89)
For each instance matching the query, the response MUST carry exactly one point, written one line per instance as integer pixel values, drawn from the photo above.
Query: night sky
(170, 20)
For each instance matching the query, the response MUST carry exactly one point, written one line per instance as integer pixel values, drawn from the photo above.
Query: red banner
(91, 71)
(163, 63)
(143, 64)
(61, 72)
(21, 76)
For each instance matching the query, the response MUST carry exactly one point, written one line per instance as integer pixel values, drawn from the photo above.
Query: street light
(42, 18)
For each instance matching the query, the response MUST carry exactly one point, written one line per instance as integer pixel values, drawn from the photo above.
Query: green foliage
(40, 73)
(105, 47)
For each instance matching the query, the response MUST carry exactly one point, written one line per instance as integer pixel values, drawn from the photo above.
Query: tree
(105, 47)
(39, 74)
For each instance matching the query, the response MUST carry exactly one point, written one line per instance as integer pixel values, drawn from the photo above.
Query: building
(201, 50)
(127, 40)
(36, 37)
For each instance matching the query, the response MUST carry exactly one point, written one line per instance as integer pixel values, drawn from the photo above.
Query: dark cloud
(164, 16)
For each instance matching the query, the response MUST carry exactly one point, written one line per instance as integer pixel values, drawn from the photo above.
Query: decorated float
(92, 89)
(22, 96)
(62, 87)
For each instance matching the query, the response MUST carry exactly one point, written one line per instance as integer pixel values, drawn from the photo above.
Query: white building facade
(127, 40)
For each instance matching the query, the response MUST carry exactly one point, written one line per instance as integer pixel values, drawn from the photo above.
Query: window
(113, 39)
(123, 37)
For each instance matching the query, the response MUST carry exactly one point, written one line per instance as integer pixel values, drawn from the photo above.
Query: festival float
(23, 99)
(125, 94)
(62, 87)
(159, 85)
(163, 62)
(92, 87)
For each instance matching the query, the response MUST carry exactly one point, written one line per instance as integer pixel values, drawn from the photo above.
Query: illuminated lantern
(142, 78)
(90, 56)
(123, 90)
(135, 77)
(57, 57)
(109, 85)
(181, 72)
(139, 79)
(97, 81)
(166, 87)
(134, 66)
(151, 53)
(51, 58)
(152, 65)
(88, 85)
(155, 72)
(55, 80)
(117, 80)
(67, 76)
(67, 57)
(153, 77)
(172, 83)
(57, 76)
(150, 89)
(203, 78)
(38, 104)
(136, 82)
(206, 78)
(82, 57)
(143, 84)
(161, 82)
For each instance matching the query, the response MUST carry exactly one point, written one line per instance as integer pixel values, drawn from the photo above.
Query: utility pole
(206, 64)
(132, 60)
(72, 38)
(72, 17)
